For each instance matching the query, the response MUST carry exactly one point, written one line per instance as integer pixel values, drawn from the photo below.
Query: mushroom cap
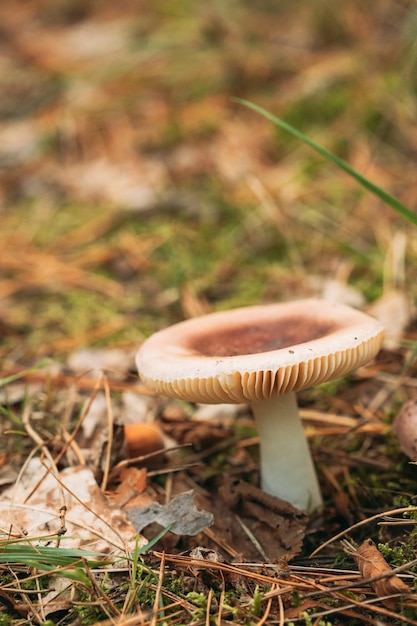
(405, 428)
(142, 438)
(253, 353)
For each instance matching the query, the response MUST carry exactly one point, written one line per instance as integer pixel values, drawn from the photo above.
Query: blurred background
(135, 192)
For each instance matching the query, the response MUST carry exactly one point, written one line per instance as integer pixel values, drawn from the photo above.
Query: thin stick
(68, 443)
(252, 538)
(363, 522)
(39, 441)
(80, 422)
(225, 567)
(158, 590)
(221, 602)
(85, 382)
(145, 457)
(209, 599)
(110, 424)
(101, 594)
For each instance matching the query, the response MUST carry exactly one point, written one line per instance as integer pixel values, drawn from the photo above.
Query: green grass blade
(10, 379)
(155, 539)
(25, 554)
(367, 184)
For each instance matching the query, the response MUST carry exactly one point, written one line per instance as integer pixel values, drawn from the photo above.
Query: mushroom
(142, 438)
(263, 355)
(405, 428)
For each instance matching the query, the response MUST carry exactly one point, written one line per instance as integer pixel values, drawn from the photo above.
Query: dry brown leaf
(371, 563)
(30, 507)
(133, 482)
(251, 524)
(198, 432)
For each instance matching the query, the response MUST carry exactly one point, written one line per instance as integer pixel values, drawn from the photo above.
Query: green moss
(323, 108)
(402, 552)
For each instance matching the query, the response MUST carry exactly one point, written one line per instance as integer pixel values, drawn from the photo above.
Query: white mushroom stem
(287, 469)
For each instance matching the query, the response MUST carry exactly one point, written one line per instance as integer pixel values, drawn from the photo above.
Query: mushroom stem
(287, 469)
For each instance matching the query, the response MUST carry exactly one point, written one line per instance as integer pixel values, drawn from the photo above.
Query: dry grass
(134, 193)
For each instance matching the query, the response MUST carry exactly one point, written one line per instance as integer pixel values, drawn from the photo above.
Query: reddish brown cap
(253, 353)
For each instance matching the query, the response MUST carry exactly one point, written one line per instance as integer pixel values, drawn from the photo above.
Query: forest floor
(135, 192)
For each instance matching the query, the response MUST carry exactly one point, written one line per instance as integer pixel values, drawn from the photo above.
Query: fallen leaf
(93, 361)
(59, 599)
(337, 290)
(269, 518)
(249, 524)
(371, 563)
(133, 483)
(218, 413)
(198, 432)
(395, 312)
(181, 512)
(92, 522)
(131, 184)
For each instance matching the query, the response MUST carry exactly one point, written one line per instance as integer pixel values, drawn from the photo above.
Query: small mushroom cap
(143, 438)
(405, 428)
(253, 353)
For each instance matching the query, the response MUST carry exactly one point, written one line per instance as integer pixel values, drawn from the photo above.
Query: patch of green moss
(323, 108)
